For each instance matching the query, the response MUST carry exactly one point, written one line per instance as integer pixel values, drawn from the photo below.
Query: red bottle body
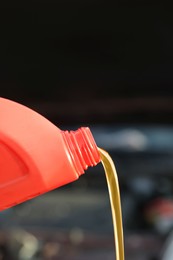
(36, 156)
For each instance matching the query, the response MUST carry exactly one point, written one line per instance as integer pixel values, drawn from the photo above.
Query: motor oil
(115, 201)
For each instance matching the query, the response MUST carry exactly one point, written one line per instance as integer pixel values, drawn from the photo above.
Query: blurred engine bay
(74, 222)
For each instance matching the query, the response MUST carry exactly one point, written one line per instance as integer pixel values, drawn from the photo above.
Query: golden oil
(115, 201)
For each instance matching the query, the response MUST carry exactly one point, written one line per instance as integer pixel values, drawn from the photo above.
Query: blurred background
(107, 66)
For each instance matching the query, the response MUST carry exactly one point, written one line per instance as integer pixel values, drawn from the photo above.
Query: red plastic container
(36, 156)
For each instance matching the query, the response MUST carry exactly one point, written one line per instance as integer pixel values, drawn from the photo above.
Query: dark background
(108, 66)
(89, 61)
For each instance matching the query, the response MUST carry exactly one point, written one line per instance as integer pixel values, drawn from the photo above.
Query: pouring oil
(114, 195)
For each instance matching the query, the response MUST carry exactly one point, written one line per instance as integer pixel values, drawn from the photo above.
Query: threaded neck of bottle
(81, 148)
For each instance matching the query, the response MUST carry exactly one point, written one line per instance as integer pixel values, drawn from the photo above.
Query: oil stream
(114, 195)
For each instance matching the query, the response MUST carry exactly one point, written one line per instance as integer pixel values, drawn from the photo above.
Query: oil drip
(114, 195)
